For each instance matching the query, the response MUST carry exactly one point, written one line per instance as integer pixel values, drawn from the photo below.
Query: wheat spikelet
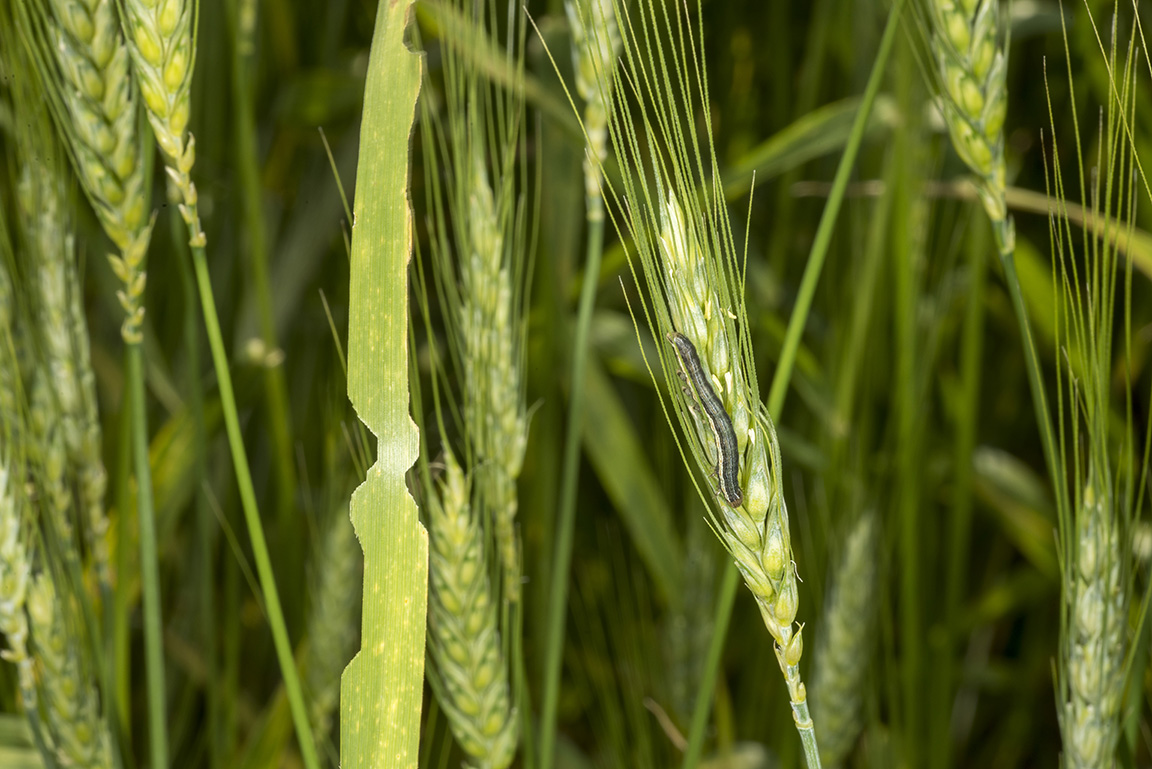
(163, 51)
(972, 70)
(695, 298)
(755, 533)
(479, 225)
(1094, 643)
(87, 75)
(843, 652)
(70, 707)
(470, 676)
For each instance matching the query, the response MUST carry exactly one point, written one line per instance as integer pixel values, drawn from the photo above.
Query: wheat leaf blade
(381, 689)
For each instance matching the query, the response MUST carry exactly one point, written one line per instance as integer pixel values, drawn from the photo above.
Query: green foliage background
(880, 416)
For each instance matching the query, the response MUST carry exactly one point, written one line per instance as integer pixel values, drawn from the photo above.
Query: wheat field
(575, 384)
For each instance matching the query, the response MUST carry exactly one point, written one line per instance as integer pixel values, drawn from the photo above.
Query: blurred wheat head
(845, 643)
(63, 421)
(470, 676)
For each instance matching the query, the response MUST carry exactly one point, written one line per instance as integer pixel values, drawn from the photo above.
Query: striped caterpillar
(727, 453)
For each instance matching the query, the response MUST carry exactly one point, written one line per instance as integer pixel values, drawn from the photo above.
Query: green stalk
(205, 519)
(562, 560)
(248, 170)
(783, 373)
(149, 567)
(906, 415)
(779, 389)
(248, 502)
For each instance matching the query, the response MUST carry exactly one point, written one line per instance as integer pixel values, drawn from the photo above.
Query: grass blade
(380, 692)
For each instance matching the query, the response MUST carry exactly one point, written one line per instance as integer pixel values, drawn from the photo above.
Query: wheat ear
(842, 654)
(756, 532)
(1094, 644)
(162, 43)
(64, 400)
(489, 327)
(470, 675)
(972, 70)
(85, 70)
(596, 44)
(88, 104)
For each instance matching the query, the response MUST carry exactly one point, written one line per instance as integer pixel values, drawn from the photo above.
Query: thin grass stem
(248, 501)
(149, 563)
(205, 520)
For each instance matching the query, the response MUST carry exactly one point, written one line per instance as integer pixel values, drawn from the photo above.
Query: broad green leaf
(381, 690)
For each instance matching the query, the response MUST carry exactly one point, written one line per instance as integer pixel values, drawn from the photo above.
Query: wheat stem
(149, 565)
(244, 139)
(260, 554)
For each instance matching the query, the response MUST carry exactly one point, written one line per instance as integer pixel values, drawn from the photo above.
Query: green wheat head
(85, 74)
(671, 206)
(966, 41)
(478, 233)
(470, 675)
(161, 38)
(479, 240)
(1097, 489)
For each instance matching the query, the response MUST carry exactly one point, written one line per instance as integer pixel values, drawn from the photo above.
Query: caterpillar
(727, 453)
